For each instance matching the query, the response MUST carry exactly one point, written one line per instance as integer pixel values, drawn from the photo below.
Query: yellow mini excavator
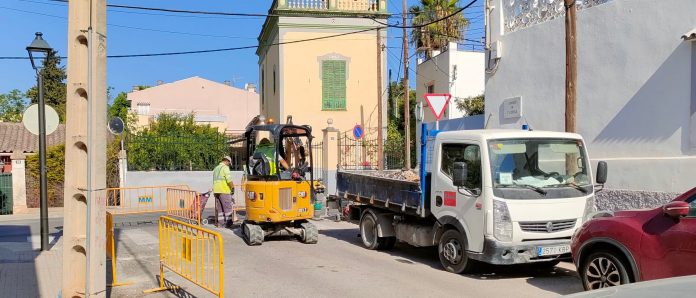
(278, 184)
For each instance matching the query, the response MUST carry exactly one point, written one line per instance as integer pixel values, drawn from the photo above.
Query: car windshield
(537, 164)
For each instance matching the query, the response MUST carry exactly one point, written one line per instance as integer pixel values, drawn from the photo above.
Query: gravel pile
(408, 175)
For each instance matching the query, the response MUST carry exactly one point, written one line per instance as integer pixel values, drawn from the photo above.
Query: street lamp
(40, 49)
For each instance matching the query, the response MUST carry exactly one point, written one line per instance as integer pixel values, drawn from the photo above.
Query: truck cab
(513, 196)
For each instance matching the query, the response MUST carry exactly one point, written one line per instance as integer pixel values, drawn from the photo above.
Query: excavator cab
(278, 184)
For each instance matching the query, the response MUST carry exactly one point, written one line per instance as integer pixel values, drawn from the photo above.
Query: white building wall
(439, 71)
(459, 73)
(634, 87)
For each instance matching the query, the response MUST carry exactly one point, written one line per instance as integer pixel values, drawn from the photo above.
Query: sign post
(437, 104)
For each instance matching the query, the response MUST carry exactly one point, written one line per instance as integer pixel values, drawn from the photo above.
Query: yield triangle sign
(437, 103)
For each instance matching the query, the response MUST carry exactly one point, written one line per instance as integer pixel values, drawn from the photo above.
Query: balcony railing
(334, 5)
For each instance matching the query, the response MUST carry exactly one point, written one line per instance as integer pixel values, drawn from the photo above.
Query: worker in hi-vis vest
(268, 153)
(223, 188)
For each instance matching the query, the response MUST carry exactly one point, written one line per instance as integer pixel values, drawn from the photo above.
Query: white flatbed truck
(494, 196)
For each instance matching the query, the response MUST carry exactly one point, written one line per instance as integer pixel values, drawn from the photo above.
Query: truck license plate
(553, 250)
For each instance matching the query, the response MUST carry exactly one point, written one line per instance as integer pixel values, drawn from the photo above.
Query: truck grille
(285, 198)
(547, 226)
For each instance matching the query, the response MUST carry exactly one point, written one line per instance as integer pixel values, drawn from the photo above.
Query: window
(468, 153)
(274, 79)
(333, 86)
(692, 206)
(143, 108)
(263, 87)
(431, 88)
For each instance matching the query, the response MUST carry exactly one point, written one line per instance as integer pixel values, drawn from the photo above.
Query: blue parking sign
(358, 131)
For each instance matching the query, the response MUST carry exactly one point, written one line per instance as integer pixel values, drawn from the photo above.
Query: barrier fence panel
(193, 253)
(111, 251)
(138, 200)
(184, 204)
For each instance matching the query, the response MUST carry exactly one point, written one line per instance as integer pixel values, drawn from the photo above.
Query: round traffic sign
(116, 125)
(30, 119)
(358, 131)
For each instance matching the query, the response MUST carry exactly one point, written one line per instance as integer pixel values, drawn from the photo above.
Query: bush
(176, 143)
(55, 170)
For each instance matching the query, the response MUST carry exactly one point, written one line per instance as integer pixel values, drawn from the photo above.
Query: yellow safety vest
(269, 152)
(221, 179)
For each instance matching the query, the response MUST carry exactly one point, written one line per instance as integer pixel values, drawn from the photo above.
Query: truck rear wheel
(452, 252)
(370, 236)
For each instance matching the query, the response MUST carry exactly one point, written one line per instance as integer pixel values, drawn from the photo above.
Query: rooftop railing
(334, 5)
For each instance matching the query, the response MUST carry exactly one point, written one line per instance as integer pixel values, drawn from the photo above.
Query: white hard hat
(227, 158)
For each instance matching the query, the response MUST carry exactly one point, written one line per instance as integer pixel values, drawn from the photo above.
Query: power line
(63, 4)
(426, 24)
(256, 46)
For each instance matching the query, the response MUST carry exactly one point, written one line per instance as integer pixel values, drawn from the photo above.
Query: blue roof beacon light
(525, 127)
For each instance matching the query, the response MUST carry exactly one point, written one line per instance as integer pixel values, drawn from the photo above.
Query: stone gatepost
(122, 168)
(19, 182)
(330, 158)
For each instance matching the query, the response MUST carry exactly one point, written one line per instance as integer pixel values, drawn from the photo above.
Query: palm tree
(437, 35)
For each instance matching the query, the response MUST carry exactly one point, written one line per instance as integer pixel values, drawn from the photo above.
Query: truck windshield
(539, 165)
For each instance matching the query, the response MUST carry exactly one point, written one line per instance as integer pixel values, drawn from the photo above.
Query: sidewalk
(27, 272)
(32, 213)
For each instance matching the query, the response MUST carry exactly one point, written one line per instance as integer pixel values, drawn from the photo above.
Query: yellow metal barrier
(138, 200)
(185, 204)
(111, 250)
(192, 252)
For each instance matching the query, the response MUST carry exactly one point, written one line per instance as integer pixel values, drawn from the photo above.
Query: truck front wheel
(452, 252)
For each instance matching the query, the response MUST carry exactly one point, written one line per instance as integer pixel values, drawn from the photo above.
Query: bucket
(318, 206)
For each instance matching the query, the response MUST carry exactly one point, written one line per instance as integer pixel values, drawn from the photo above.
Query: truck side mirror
(602, 169)
(460, 174)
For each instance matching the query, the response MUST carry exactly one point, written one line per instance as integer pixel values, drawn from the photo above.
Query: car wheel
(452, 252)
(603, 269)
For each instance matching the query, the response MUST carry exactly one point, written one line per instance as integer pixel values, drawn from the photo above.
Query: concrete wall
(200, 181)
(634, 87)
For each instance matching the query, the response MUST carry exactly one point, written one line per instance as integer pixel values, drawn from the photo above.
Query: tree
(54, 86)
(175, 142)
(470, 106)
(120, 108)
(12, 106)
(437, 35)
(396, 119)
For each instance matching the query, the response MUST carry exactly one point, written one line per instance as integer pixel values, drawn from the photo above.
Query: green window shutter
(333, 85)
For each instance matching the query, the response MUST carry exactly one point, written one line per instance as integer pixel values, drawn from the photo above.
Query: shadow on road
(542, 278)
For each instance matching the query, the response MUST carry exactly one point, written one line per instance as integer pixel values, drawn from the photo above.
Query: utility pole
(571, 79)
(380, 134)
(84, 271)
(571, 66)
(407, 99)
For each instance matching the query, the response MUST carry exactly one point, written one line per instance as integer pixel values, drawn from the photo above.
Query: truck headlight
(502, 224)
(590, 209)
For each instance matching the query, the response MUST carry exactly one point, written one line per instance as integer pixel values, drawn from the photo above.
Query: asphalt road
(337, 266)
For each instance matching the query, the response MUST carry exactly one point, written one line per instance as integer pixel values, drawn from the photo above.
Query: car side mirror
(460, 174)
(602, 170)
(676, 209)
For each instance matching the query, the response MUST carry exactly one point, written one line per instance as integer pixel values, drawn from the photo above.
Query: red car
(631, 246)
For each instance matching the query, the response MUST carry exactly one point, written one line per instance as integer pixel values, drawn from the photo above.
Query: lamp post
(39, 48)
